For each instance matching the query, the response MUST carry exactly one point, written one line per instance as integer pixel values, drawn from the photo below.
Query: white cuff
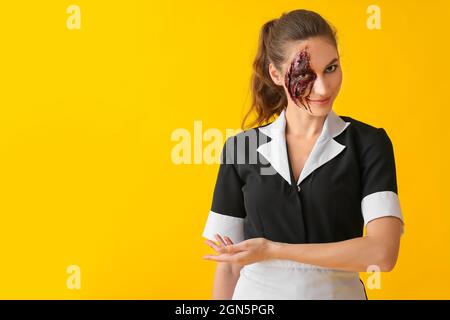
(225, 225)
(381, 204)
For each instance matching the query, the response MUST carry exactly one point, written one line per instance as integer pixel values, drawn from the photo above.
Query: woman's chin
(320, 110)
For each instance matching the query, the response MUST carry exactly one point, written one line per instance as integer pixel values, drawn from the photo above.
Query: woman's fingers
(238, 258)
(223, 243)
(220, 240)
(228, 241)
(219, 258)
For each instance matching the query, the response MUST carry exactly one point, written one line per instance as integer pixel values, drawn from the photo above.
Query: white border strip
(381, 204)
(225, 225)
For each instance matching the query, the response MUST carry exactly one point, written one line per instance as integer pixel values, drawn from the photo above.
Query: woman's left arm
(379, 247)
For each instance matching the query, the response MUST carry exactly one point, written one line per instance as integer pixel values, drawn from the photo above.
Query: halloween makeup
(299, 77)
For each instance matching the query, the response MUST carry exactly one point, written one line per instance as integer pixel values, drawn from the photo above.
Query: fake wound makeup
(299, 77)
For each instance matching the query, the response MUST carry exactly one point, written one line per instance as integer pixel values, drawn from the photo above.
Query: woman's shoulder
(363, 130)
(242, 146)
(367, 135)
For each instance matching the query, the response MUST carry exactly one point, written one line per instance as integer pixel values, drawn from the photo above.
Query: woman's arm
(379, 247)
(225, 279)
(227, 273)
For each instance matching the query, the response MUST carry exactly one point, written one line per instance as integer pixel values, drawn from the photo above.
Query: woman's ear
(277, 78)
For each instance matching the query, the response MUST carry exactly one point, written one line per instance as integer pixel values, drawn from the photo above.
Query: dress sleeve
(379, 181)
(227, 213)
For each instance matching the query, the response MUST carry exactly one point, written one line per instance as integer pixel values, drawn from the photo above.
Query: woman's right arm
(225, 279)
(226, 217)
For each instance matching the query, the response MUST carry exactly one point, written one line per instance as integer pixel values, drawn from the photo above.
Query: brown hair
(268, 98)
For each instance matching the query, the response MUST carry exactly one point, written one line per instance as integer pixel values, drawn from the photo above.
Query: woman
(293, 196)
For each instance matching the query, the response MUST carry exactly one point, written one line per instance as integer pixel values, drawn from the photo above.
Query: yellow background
(86, 118)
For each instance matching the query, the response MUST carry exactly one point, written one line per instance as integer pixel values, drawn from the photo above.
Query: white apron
(277, 279)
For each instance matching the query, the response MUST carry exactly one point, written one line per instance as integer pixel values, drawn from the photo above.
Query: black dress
(348, 180)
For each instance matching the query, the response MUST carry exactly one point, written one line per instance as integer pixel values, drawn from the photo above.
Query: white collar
(324, 149)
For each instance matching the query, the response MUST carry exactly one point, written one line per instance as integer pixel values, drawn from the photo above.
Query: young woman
(293, 196)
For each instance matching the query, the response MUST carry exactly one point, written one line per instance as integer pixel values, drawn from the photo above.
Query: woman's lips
(325, 101)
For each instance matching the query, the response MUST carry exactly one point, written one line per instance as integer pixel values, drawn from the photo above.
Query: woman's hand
(245, 252)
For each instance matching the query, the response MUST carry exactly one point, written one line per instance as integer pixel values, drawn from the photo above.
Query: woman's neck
(300, 123)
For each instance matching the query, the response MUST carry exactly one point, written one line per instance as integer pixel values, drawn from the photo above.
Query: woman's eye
(303, 76)
(328, 69)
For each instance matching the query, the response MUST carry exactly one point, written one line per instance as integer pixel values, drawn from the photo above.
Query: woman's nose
(320, 88)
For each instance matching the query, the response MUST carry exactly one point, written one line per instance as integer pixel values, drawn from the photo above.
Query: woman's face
(310, 74)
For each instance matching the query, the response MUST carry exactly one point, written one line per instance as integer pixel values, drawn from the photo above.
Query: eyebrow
(332, 61)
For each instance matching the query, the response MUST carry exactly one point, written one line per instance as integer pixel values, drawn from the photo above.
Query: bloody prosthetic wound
(299, 77)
